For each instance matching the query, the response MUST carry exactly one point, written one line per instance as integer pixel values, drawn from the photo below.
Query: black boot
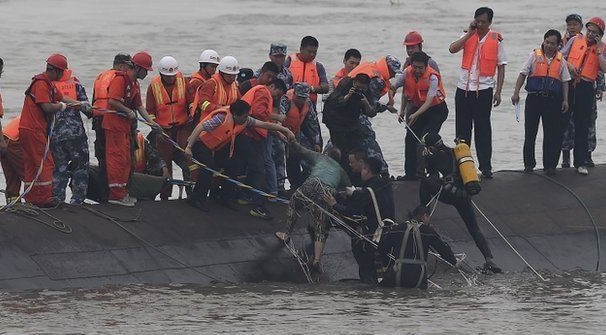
(589, 162)
(565, 158)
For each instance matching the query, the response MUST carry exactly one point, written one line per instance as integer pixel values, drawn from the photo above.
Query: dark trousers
(580, 102)
(250, 154)
(365, 257)
(472, 110)
(100, 155)
(216, 161)
(549, 111)
(429, 188)
(430, 121)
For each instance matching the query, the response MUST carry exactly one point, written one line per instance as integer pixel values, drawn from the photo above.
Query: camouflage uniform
(69, 146)
(285, 75)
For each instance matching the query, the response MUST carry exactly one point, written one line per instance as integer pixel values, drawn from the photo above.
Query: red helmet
(598, 22)
(413, 38)
(57, 60)
(143, 59)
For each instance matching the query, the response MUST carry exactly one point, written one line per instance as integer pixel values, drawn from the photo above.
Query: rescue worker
(416, 237)
(305, 68)
(443, 174)
(380, 72)
(218, 91)
(342, 113)
(301, 118)
(101, 103)
(277, 55)
(213, 140)
(252, 143)
(483, 57)
(146, 158)
(374, 200)
(547, 99)
(42, 101)
(11, 158)
(69, 143)
(352, 58)
(267, 74)
(124, 95)
(584, 56)
(422, 87)
(167, 100)
(413, 42)
(208, 61)
(326, 176)
(574, 26)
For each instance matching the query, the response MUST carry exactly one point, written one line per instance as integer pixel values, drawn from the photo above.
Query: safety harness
(412, 227)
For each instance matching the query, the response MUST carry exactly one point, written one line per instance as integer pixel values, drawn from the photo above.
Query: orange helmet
(598, 22)
(143, 59)
(413, 38)
(57, 60)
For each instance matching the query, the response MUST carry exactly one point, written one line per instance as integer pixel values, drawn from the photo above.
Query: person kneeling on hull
(409, 243)
(455, 186)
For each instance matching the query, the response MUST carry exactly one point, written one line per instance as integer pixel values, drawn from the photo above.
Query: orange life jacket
(34, 111)
(171, 110)
(488, 53)
(140, 158)
(11, 130)
(101, 89)
(1, 107)
(249, 97)
(295, 116)
(223, 134)
(67, 85)
(131, 90)
(585, 58)
(416, 89)
(197, 79)
(545, 77)
(338, 77)
(374, 70)
(223, 96)
(305, 72)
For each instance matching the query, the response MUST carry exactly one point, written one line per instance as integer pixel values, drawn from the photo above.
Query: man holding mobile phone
(477, 91)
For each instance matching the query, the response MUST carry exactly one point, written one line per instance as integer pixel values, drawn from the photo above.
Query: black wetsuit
(360, 203)
(391, 242)
(454, 193)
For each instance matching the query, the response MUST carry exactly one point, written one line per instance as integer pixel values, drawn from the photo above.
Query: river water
(89, 33)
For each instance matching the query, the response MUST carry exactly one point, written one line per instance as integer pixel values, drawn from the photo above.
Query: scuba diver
(455, 186)
(409, 243)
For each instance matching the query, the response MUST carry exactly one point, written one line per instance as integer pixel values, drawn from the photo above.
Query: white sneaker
(126, 201)
(582, 170)
(131, 199)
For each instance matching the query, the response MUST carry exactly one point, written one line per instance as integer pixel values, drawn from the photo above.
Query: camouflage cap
(277, 49)
(302, 89)
(574, 17)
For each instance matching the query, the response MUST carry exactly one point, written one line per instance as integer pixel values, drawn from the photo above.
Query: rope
(145, 242)
(291, 248)
(506, 241)
(32, 212)
(582, 203)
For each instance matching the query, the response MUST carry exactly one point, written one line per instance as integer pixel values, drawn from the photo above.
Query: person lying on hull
(409, 244)
(452, 174)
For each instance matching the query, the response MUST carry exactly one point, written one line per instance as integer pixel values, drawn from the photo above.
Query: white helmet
(209, 56)
(229, 65)
(168, 66)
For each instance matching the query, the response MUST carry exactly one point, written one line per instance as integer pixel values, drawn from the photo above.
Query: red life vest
(585, 58)
(131, 90)
(545, 77)
(139, 156)
(488, 53)
(67, 85)
(338, 76)
(305, 73)
(249, 98)
(11, 130)
(417, 89)
(171, 110)
(32, 114)
(295, 116)
(223, 134)
(101, 89)
(197, 79)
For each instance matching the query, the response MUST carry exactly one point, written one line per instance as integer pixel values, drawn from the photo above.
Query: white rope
(506, 241)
